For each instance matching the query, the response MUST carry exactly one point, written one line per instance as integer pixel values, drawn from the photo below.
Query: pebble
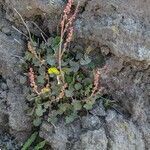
(4, 86)
(6, 30)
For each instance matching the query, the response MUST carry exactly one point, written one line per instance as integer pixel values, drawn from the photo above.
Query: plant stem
(59, 54)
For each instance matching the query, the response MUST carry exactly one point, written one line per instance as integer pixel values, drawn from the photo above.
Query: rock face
(32, 8)
(12, 101)
(94, 133)
(122, 25)
(123, 134)
(129, 84)
(95, 140)
(120, 31)
(8, 142)
(37, 13)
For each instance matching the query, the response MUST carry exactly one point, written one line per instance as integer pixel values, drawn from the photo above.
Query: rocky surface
(95, 133)
(37, 13)
(12, 101)
(129, 84)
(123, 134)
(122, 25)
(117, 31)
(7, 142)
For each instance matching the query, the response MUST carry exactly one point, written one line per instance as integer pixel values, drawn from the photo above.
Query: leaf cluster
(56, 99)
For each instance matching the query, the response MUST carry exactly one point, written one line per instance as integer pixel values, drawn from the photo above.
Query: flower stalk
(66, 33)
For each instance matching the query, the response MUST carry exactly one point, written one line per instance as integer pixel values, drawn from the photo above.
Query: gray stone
(3, 86)
(121, 25)
(94, 140)
(99, 109)
(119, 28)
(77, 146)
(3, 121)
(3, 95)
(11, 50)
(91, 122)
(123, 134)
(128, 84)
(110, 115)
(45, 14)
(117, 133)
(6, 30)
(7, 142)
(145, 128)
(62, 135)
(34, 7)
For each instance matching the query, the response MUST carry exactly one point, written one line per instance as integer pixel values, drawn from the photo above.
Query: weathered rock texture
(8, 142)
(42, 13)
(120, 31)
(12, 101)
(95, 133)
(123, 25)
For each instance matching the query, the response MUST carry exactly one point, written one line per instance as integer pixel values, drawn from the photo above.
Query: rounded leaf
(53, 70)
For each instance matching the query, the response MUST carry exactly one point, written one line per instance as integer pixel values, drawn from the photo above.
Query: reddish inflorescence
(67, 23)
(32, 80)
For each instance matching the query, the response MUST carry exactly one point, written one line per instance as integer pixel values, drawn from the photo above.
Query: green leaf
(91, 65)
(56, 41)
(64, 63)
(29, 141)
(53, 117)
(37, 100)
(74, 66)
(77, 105)
(67, 70)
(79, 56)
(42, 71)
(40, 79)
(63, 108)
(85, 61)
(39, 111)
(87, 81)
(68, 79)
(42, 46)
(46, 105)
(40, 145)
(30, 97)
(36, 62)
(69, 93)
(78, 86)
(50, 60)
(87, 91)
(89, 105)
(28, 56)
(70, 118)
(49, 41)
(37, 122)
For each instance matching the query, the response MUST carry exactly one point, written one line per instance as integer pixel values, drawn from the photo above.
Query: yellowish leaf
(45, 90)
(53, 70)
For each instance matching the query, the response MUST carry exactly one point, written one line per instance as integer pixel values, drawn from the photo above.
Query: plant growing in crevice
(62, 81)
(34, 140)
